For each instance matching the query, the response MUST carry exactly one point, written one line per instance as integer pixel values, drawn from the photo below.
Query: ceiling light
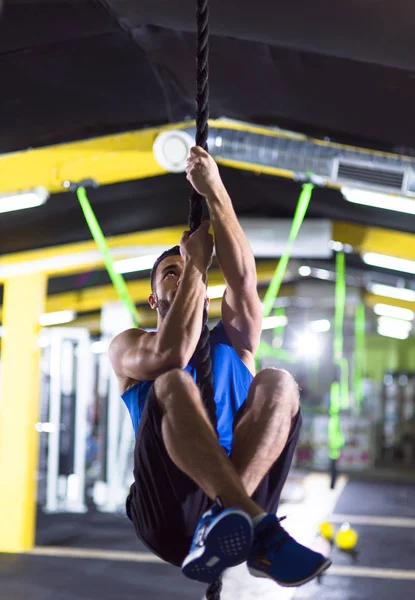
(57, 318)
(396, 312)
(336, 246)
(304, 271)
(216, 291)
(138, 263)
(392, 292)
(385, 201)
(320, 326)
(20, 200)
(171, 149)
(321, 273)
(393, 333)
(273, 322)
(394, 324)
(389, 262)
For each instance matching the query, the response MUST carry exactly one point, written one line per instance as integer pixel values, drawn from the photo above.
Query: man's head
(165, 277)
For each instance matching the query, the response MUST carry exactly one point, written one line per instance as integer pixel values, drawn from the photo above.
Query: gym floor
(85, 557)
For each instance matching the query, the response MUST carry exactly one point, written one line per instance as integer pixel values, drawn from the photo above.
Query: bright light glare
(396, 312)
(100, 347)
(304, 271)
(138, 263)
(216, 291)
(394, 324)
(385, 201)
(321, 273)
(389, 262)
(45, 427)
(272, 322)
(392, 333)
(43, 341)
(21, 200)
(309, 346)
(392, 292)
(57, 318)
(320, 326)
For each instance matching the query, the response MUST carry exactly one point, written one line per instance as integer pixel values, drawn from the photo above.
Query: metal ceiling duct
(334, 165)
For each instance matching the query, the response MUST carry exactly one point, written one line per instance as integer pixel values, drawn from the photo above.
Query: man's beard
(164, 307)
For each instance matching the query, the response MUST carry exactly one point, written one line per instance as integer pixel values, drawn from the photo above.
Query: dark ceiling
(75, 69)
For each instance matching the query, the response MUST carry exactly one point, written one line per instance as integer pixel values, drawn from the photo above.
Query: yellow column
(24, 301)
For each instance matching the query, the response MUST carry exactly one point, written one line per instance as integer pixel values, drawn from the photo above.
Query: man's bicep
(242, 318)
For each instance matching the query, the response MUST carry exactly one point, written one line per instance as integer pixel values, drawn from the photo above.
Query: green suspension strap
(339, 387)
(271, 294)
(96, 231)
(278, 277)
(359, 355)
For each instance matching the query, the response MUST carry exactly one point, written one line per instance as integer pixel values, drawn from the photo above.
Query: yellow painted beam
(114, 158)
(19, 411)
(90, 299)
(375, 239)
(82, 256)
(372, 299)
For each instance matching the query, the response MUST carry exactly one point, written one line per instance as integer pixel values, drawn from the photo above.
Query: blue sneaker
(222, 539)
(276, 555)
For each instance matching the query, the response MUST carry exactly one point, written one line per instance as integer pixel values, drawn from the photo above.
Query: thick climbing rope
(204, 363)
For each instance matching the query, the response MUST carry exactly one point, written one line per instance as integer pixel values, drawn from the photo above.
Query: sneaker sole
(325, 565)
(227, 544)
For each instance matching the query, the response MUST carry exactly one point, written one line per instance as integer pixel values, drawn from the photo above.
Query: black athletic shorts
(165, 505)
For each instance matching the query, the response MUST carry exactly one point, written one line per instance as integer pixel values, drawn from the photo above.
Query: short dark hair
(175, 251)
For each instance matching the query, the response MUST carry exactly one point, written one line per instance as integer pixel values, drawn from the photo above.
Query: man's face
(168, 275)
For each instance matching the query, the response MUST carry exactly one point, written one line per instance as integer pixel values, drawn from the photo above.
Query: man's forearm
(182, 326)
(233, 251)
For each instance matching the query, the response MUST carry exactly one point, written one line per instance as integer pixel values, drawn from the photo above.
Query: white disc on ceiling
(171, 149)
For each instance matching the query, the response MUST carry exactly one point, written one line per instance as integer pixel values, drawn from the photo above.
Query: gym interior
(312, 126)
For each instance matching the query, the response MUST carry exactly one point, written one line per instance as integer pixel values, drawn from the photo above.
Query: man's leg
(192, 443)
(263, 431)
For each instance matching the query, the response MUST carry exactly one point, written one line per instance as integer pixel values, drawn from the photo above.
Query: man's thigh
(164, 504)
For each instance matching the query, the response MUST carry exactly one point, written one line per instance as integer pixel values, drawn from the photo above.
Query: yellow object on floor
(346, 537)
(326, 530)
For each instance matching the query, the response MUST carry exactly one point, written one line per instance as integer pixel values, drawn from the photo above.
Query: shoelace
(270, 543)
(200, 539)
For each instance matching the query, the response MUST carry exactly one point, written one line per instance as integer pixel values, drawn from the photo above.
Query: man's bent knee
(278, 385)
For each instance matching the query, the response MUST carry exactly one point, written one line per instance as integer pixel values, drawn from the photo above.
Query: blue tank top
(231, 381)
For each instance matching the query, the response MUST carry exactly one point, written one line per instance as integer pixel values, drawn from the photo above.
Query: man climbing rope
(206, 499)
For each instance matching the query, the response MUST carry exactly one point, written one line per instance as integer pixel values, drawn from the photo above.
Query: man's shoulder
(124, 341)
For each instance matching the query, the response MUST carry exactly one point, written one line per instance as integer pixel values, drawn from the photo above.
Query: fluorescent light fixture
(392, 292)
(216, 291)
(100, 347)
(304, 271)
(394, 324)
(389, 262)
(138, 263)
(321, 273)
(26, 199)
(320, 326)
(393, 333)
(396, 312)
(377, 200)
(273, 322)
(57, 318)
